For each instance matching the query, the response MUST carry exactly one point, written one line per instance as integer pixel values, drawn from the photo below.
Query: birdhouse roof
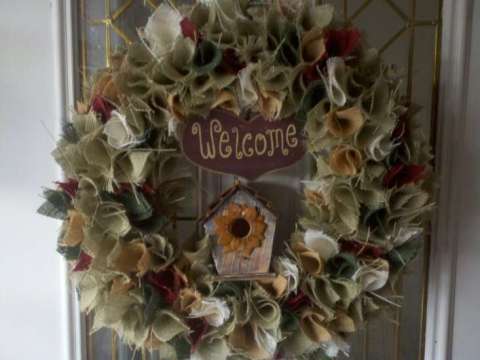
(227, 194)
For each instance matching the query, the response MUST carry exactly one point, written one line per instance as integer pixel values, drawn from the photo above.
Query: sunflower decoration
(240, 227)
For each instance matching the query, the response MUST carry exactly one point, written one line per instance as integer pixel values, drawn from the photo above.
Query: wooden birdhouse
(242, 226)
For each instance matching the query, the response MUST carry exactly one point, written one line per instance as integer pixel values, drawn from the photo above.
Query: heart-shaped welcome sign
(225, 143)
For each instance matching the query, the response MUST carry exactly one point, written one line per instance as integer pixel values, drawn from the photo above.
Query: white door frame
(453, 86)
(456, 33)
(64, 16)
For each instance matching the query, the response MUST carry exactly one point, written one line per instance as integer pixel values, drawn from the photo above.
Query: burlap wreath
(126, 179)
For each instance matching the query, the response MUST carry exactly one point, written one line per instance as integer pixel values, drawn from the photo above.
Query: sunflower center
(240, 228)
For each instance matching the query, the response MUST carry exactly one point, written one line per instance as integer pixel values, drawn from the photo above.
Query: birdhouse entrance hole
(240, 228)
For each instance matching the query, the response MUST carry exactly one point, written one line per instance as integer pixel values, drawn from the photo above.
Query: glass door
(407, 32)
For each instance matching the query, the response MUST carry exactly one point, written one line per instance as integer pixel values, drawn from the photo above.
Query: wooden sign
(225, 143)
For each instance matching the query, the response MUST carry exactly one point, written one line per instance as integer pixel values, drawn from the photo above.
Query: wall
(32, 300)
(467, 295)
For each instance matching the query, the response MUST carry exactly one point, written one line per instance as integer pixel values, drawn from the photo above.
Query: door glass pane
(405, 31)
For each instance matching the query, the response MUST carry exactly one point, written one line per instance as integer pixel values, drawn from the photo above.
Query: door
(405, 31)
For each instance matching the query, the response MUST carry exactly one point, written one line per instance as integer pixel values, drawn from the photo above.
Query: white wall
(466, 334)
(31, 281)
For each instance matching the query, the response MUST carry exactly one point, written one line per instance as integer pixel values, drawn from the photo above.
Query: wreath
(126, 180)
